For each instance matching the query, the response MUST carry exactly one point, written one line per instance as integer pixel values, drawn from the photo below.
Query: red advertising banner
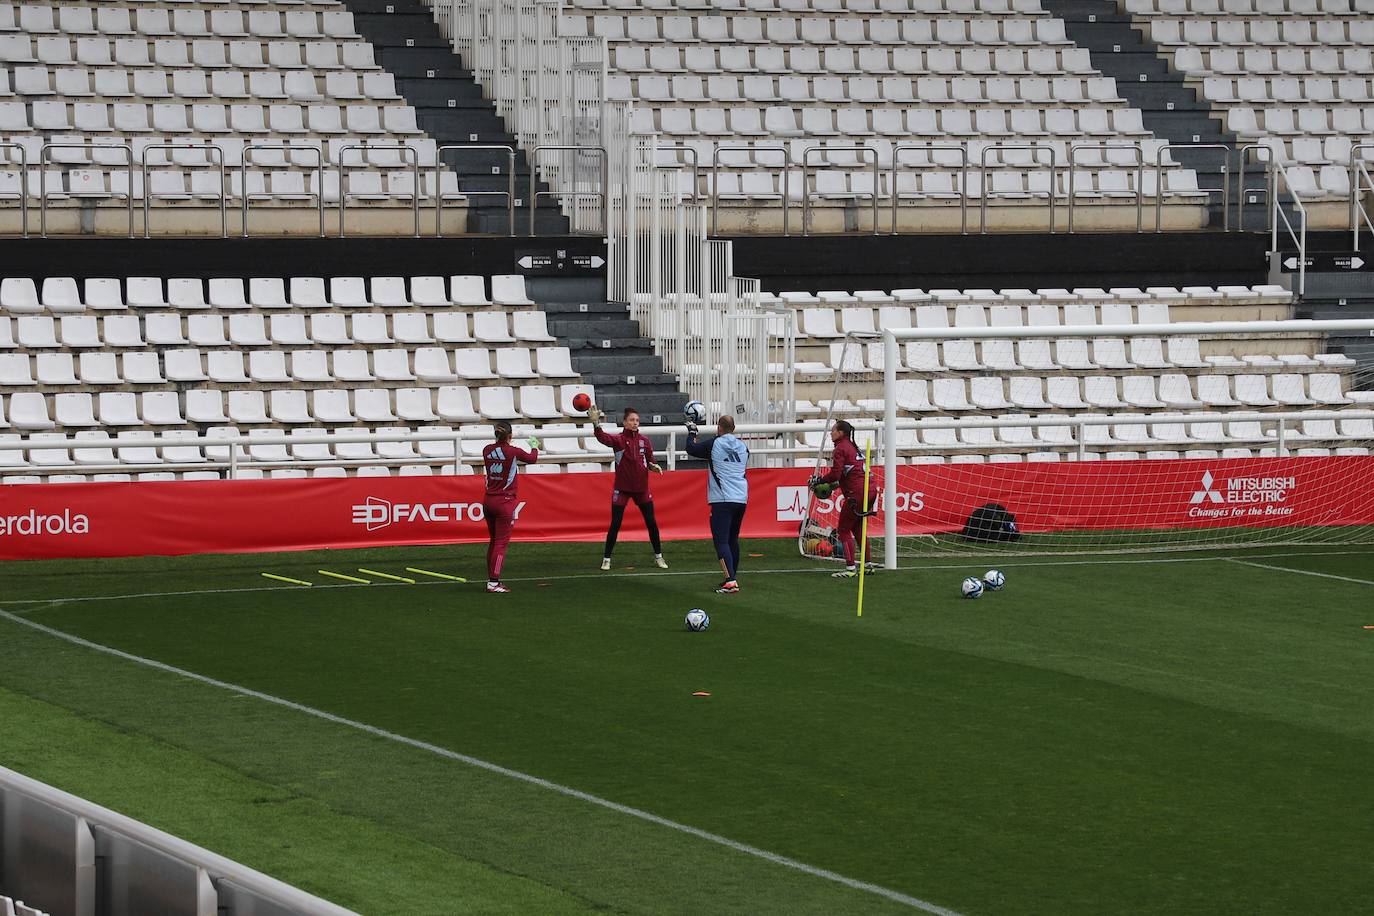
(184, 517)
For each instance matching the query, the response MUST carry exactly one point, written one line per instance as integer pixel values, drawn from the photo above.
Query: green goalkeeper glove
(534, 443)
(822, 490)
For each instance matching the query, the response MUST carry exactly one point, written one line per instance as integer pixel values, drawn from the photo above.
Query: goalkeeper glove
(657, 469)
(533, 442)
(594, 414)
(691, 429)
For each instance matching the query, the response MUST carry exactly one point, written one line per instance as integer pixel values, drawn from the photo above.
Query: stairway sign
(1327, 262)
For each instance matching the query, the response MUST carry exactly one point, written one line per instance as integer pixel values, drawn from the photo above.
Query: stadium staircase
(607, 349)
(1173, 111)
(450, 107)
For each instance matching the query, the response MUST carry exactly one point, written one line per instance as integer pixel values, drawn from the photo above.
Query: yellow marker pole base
(426, 572)
(285, 579)
(382, 575)
(334, 575)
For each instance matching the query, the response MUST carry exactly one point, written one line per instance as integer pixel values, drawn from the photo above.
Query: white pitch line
(1025, 563)
(756, 852)
(1300, 572)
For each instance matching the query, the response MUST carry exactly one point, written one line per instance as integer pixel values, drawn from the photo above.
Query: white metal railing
(773, 440)
(1360, 182)
(1281, 182)
(549, 89)
(891, 361)
(76, 852)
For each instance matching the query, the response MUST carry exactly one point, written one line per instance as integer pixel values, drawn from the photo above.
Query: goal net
(1026, 440)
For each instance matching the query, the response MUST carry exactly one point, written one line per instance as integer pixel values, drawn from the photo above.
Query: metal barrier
(411, 156)
(43, 180)
(1299, 236)
(1139, 177)
(1225, 188)
(218, 158)
(286, 147)
(932, 145)
(23, 186)
(573, 193)
(985, 193)
(806, 180)
(694, 166)
(1243, 155)
(1358, 214)
(508, 194)
(786, 183)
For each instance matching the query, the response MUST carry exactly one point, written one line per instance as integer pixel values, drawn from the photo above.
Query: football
(697, 620)
(994, 579)
(581, 401)
(972, 587)
(695, 411)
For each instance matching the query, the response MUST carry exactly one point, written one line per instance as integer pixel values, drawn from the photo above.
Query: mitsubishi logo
(1206, 492)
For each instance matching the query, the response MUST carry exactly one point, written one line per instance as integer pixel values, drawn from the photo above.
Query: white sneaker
(605, 563)
(660, 562)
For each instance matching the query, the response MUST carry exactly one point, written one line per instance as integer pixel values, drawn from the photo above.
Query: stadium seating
(117, 358)
(10, 907)
(1123, 379)
(1292, 77)
(277, 89)
(751, 92)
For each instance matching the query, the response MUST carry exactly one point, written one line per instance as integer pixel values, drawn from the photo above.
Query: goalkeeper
(634, 459)
(847, 472)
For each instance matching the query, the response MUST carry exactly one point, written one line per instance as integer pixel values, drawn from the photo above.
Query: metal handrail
(508, 194)
(806, 183)
(786, 183)
(1357, 212)
(289, 145)
(576, 195)
(23, 186)
(962, 149)
(1268, 160)
(1225, 188)
(1299, 236)
(984, 193)
(696, 169)
(1139, 177)
(219, 163)
(341, 169)
(43, 160)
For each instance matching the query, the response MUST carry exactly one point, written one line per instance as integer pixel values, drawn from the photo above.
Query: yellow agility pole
(437, 575)
(863, 526)
(382, 575)
(334, 575)
(285, 579)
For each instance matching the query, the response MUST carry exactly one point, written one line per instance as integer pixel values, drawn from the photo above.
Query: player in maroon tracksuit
(847, 470)
(502, 461)
(634, 459)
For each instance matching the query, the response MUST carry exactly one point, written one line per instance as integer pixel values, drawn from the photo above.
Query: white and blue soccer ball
(972, 587)
(698, 620)
(994, 579)
(695, 411)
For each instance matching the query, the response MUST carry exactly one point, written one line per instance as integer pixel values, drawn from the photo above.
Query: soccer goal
(1102, 438)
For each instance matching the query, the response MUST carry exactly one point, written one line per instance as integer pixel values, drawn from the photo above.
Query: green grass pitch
(1173, 733)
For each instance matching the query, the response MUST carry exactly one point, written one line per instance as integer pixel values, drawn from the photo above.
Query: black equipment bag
(991, 522)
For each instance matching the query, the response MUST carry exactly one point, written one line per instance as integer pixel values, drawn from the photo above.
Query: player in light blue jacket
(727, 490)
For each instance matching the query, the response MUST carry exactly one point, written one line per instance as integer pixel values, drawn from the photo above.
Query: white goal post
(892, 338)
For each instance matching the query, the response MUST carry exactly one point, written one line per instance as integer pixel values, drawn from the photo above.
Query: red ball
(581, 401)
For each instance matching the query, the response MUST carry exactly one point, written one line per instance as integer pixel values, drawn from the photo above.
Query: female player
(502, 461)
(634, 459)
(727, 492)
(847, 469)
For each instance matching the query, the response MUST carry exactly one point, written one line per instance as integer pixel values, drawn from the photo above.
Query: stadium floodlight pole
(1173, 329)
